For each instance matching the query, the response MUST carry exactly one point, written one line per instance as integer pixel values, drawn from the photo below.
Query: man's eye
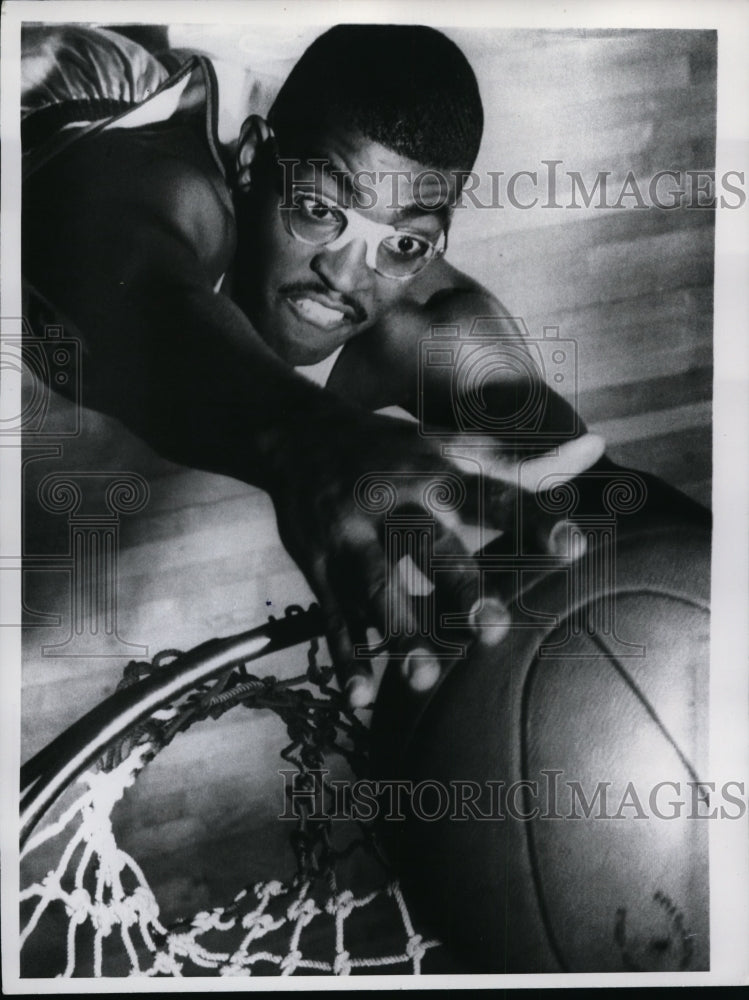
(317, 211)
(407, 247)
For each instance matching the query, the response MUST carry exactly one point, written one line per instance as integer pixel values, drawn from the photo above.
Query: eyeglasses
(393, 253)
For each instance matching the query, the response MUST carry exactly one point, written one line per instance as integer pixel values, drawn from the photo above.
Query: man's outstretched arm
(132, 266)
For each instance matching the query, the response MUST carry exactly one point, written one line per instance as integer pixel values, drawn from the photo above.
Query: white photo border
(729, 683)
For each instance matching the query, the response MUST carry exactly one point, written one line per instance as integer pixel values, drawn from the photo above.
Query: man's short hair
(407, 87)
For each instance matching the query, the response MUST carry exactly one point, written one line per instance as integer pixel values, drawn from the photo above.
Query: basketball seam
(525, 770)
(530, 841)
(635, 688)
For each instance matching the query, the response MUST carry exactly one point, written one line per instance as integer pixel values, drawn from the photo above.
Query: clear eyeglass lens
(403, 254)
(312, 220)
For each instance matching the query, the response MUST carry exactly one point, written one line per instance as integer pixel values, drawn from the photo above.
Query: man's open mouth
(318, 314)
(323, 311)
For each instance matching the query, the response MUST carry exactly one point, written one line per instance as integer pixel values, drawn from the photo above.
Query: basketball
(554, 819)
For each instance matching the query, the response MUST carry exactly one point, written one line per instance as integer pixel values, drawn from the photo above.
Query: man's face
(306, 300)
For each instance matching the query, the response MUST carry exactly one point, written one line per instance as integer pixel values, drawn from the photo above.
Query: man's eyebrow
(329, 167)
(413, 212)
(340, 174)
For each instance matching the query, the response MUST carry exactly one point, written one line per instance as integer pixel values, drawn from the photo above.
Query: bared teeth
(318, 313)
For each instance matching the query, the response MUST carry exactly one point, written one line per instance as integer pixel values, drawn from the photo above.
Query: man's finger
(567, 461)
(421, 668)
(357, 680)
(488, 503)
(462, 609)
(558, 537)
(354, 673)
(372, 588)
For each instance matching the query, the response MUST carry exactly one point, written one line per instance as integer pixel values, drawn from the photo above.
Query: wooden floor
(631, 289)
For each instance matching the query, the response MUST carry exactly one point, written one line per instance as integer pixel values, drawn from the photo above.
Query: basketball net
(111, 915)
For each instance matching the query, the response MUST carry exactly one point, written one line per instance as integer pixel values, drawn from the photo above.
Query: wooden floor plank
(653, 423)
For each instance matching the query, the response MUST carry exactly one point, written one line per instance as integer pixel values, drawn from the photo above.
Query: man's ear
(254, 135)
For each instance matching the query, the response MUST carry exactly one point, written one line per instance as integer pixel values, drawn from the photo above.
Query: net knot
(342, 964)
(267, 890)
(51, 882)
(165, 964)
(182, 943)
(290, 962)
(210, 920)
(125, 912)
(342, 904)
(415, 947)
(78, 905)
(234, 968)
(260, 924)
(145, 904)
(303, 910)
(104, 916)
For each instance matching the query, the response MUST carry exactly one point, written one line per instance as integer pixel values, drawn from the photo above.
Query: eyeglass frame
(358, 226)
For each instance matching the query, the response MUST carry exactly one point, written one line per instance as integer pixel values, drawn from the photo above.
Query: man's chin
(301, 356)
(301, 343)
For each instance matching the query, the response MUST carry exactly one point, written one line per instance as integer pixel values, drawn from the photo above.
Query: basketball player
(199, 274)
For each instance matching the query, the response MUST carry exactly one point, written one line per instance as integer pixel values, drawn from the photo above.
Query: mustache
(304, 287)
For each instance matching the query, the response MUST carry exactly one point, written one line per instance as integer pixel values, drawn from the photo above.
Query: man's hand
(335, 488)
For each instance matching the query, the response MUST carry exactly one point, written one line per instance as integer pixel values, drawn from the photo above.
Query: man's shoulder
(161, 175)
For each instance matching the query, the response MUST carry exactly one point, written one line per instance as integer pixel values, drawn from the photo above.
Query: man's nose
(344, 270)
